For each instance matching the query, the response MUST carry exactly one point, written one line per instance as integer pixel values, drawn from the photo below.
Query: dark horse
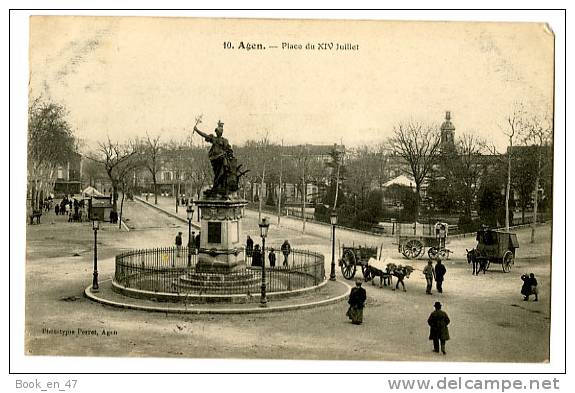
(477, 263)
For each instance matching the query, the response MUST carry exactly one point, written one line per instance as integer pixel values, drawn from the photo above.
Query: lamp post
(264, 226)
(95, 227)
(333, 220)
(190, 213)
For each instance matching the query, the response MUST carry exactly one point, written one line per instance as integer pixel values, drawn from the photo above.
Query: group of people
(437, 321)
(72, 208)
(193, 242)
(436, 273)
(255, 252)
(529, 287)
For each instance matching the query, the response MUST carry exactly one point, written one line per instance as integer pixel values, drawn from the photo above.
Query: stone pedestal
(220, 244)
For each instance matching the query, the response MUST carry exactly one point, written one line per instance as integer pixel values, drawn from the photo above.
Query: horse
(478, 264)
(400, 272)
(371, 272)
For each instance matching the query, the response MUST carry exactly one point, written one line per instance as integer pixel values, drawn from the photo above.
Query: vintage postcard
(220, 188)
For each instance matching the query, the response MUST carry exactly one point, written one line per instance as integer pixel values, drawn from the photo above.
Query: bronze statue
(226, 169)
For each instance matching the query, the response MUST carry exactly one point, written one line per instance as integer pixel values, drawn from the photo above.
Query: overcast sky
(124, 77)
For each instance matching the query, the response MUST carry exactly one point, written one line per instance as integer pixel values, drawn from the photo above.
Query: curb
(254, 310)
(173, 215)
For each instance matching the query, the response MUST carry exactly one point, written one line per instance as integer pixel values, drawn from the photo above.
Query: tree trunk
(336, 188)
(114, 196)
(534, 219)
(280, 192)
(121, 206)
(155, 189)
(508, 188)
(417, 200)
(261, 195)
(303, 195)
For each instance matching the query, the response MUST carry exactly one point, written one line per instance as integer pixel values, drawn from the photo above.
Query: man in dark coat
(249, 246)
(257, 259)
(438, 332)
(272, 258)
(356, 301)
(440, 271)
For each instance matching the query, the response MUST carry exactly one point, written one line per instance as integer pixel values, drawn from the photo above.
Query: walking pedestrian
(356, 301)
(429, 274)
(178, 244)
(286, 250)
(249, 246)
(440, 271)
(57, 209)
(272, 258)
(438, 332)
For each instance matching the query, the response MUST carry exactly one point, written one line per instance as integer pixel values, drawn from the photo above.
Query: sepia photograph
(289, 189)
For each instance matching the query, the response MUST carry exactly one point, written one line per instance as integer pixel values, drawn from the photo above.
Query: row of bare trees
(453, 177)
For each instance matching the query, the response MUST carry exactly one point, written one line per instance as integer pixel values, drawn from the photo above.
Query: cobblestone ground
(490, 322)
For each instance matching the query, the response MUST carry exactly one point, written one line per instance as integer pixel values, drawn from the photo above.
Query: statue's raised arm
(207, 137)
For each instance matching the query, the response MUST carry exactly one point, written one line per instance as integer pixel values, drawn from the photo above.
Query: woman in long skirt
(356, 301)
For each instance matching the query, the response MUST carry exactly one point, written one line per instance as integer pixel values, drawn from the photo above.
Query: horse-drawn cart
(353, 256)
(494, 246)
(413, 246)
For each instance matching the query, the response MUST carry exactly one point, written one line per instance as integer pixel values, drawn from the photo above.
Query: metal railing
(168, 270)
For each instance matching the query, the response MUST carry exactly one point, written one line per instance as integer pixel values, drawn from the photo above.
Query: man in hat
(356, 301)
(438, 332)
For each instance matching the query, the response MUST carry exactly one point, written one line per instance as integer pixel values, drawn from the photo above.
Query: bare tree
(119, 161)
(418, 145)
(336, 165)
(469, 167)
(513, 127)
(538, 133)
(152, 149)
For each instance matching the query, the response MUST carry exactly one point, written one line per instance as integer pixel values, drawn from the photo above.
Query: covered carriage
(494, 246)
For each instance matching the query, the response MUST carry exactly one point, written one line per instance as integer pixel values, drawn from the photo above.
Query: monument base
(220, 250)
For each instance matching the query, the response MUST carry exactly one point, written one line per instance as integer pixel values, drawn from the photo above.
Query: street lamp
(95, 227)
(333, 220)
(264, 226)
(190, 213)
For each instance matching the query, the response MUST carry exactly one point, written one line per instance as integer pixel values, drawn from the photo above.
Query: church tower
(447, 134)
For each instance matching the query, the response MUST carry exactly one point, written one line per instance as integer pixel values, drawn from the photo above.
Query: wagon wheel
(432, 252)
(348, 265)
(412, 249)
(507, 261)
